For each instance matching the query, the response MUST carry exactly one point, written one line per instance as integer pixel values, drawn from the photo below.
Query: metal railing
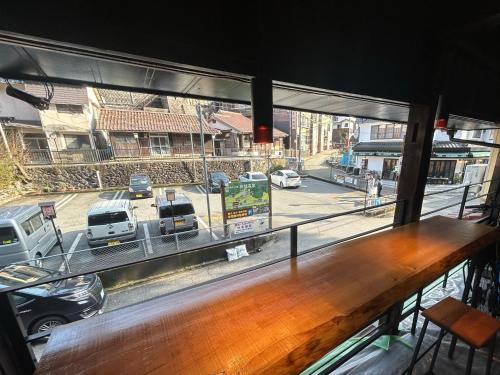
(85, 156)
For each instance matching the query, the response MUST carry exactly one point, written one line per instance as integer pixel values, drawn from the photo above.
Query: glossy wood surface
(275, 320)
(472, 326)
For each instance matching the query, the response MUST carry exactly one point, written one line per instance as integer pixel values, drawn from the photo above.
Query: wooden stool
(470, 325)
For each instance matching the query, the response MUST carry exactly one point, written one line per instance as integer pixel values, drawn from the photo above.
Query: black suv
(140, 186)
(46, 306)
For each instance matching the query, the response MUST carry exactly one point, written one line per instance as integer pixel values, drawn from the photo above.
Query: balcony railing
(43, 157)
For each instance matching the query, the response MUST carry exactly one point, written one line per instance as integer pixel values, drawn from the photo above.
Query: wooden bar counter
(274, 320)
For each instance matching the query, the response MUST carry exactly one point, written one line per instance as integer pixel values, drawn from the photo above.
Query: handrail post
(464, 199)
(293, 241)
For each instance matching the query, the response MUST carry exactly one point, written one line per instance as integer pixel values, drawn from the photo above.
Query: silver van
(24, 234)
(176, 217)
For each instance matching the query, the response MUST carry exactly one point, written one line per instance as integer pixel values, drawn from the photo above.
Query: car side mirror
(153, 205)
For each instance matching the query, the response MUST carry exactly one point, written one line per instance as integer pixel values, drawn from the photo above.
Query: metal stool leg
(417, 311)
(445, 280)
(490, 355)
(470, 358)
(417, 348)
(436, 351)
(475, 288)
(465, 296)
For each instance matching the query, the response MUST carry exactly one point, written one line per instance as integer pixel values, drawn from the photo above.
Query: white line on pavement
(66, 201)
(148, 239)
(214, 236)
(65, 198)
(201, 189)
(71, 250)
(116, 195)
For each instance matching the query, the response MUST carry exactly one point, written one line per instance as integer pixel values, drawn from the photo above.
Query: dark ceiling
(400, 53)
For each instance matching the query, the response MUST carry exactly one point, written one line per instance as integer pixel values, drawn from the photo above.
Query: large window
(34, 141)
(159, 144)
(76, 142)
(388, 131)
(442, 169)
(32, 224)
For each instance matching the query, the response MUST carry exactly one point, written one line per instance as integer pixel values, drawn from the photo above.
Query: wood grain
(472, 326)
(274, 320)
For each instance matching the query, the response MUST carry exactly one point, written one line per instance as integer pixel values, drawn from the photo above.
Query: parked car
(46, 306)
(25, 234)
(216, 179)
(140, 186)
(285, 178)
(253, 176)
(178, 216)
(111, 222)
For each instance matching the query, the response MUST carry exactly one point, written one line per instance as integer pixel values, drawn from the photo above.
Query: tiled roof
(118, 98)
(241, 123)
(397, 146)
(62, 94)
(149, 121)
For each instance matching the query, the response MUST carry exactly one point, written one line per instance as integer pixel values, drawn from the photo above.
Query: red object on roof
(241, 123)
(120, 120)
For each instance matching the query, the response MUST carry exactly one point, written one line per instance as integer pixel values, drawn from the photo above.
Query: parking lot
(311, 200)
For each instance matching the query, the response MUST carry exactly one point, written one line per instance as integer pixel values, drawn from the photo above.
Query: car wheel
(47, 323)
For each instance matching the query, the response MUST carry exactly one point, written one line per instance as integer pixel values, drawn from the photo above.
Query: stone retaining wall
(82, 177)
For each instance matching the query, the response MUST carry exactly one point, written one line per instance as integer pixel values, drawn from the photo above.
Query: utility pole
(6, 144)
(205, 169)
(299, 166)
(192, 156)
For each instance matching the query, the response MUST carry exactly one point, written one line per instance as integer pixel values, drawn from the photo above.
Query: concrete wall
(172, 172)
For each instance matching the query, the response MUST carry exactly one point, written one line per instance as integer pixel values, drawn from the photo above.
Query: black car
(216, 179)
(140, 186)
(46, 306)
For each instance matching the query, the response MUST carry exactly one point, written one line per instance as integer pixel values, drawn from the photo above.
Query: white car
(111, 222)
(253, 176)
(286, 178)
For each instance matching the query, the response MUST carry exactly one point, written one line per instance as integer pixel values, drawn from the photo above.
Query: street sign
(48, 209)
(242, 199)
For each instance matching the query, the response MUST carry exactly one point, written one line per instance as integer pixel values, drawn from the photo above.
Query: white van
(24, 234)
(111, 222)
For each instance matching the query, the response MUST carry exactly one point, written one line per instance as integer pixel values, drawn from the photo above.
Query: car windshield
(139, 180)
(291, 174)
(219, 175)
(259, 176)
(7, 236)
(12, 276)
(108, 218)
(179, 210)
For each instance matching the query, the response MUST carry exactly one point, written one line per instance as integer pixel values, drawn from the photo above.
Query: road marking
(148, 239)
(201, 189)
(214, 236)
(65, 198)
(71, 250)
(116, 195)
(66, 201)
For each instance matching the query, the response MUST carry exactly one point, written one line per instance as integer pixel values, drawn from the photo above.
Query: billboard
(243, 199)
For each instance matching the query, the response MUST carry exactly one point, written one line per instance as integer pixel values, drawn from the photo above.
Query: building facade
(380, 145)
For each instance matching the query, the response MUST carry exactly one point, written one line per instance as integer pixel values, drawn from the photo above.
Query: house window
(388, 131)
(76, 141)
(477, 134)
(35, 142)
(159, 144)
(69, 108)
